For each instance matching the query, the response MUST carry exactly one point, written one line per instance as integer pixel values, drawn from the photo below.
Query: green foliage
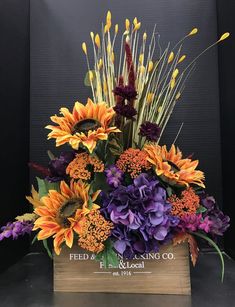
(115, 148)
(201, 209)
(34, 239)
(216, 247)
(108, 256)
(87, 81)
(44, 186)
(45, 244)
(50, 155)
(99, 183)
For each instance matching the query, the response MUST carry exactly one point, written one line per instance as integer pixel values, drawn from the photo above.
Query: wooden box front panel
(166, 272)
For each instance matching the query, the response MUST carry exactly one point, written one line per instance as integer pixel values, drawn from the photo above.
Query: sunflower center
(83, 126)
(67, 210)
(174, 167)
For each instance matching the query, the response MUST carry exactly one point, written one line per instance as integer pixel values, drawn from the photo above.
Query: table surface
(28, 283)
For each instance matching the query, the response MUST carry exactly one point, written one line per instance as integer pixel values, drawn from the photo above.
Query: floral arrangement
(116, 190)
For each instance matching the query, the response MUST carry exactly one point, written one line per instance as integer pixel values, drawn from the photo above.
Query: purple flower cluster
(58, 166)
(219, 221)
(141, 216)
(212, 221)
(114, 176)
(195, 222)
(16, 229)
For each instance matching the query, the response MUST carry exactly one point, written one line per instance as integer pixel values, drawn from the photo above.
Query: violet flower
(16, 229)
(58, 166)
(190, 222)
(114, 176)
(219, 222)
(141, 216)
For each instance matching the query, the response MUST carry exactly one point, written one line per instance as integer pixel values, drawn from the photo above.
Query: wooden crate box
(166, 272)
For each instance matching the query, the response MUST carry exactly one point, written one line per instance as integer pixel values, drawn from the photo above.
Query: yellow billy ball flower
(97, 40)
(193, 32)
(224, 36)
(171, 57)
(127, 24)
(84, 48)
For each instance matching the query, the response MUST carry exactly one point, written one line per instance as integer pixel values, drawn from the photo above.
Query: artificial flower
(186, 204)
(27, 217)
(63, 212)
(141, 216)
(171, 166)
(150, 130)
(114, 176)
(16, 229)
(126, 92)
(34, 199)
(86, 125)
(58, 166)
(219, 222)
(125, 110)
(95, 230)
(133, 161)
(83, 166)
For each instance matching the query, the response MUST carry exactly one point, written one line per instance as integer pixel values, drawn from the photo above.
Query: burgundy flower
(127, 92)
(125, 110)
(150, 130)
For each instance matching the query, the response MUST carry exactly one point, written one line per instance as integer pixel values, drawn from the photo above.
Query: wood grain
(160, 276)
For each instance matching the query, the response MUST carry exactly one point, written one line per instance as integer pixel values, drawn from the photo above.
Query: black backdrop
(57, 69)
(14, 97)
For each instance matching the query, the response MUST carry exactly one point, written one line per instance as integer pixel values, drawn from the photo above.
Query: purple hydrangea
(16, 229)
(58, 166)
(141, 216)
(114, 176)
(219, 221)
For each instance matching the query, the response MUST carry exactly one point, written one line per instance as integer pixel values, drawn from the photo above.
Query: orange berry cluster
(133, 161)
(78, 168)
(94, 231)
(187, 204)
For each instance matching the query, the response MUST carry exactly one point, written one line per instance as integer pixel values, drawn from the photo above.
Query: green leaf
(90, 203)
(34, 239)
(108, 256)
(44, 186)
(99, 182)
(216, 247)
(87, 79)
(115, 148)
(50, 155)
(169, 191)
(201, 209)
(47, 248)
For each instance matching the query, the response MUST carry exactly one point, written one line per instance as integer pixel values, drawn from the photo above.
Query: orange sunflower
(85, 125)
(63, 213)
(172, 167)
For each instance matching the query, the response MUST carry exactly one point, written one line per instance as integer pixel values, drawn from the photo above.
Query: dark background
(30, 96)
